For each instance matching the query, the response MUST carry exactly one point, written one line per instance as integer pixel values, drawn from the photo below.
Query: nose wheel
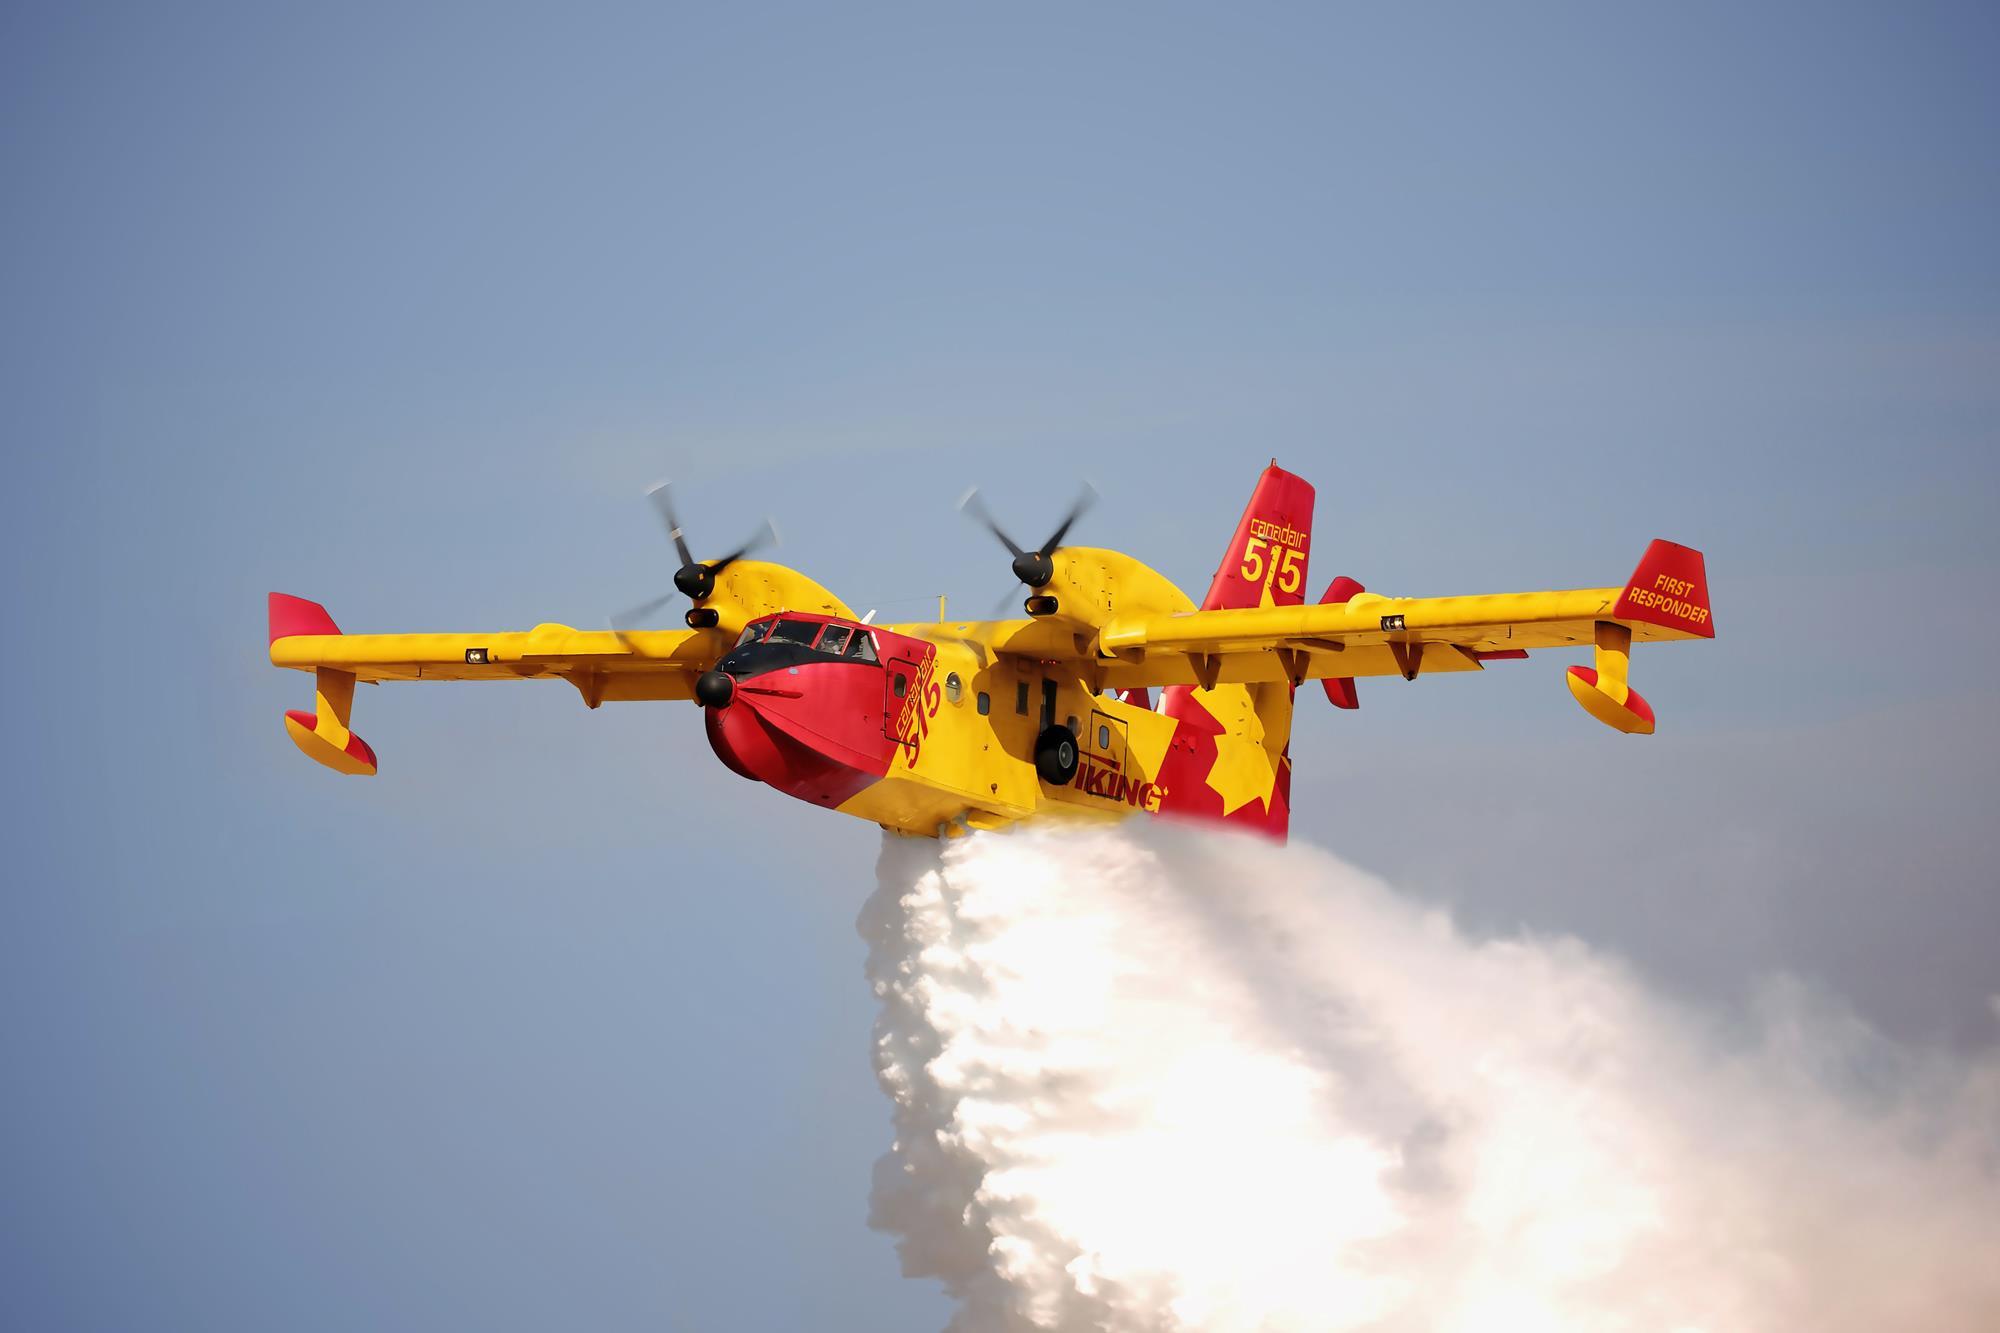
(1055, 755)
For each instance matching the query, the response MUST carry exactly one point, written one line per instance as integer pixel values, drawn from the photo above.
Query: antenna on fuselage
(869, 619)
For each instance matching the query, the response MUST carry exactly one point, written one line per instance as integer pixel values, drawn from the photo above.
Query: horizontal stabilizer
(1340, 690)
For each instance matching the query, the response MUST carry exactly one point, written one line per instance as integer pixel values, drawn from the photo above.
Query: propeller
(695, 579)
(633, 617)
(1034, 567)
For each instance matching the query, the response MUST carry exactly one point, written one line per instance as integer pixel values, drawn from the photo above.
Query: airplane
(940, 729)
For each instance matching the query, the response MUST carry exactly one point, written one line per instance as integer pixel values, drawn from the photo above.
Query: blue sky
(559, 1022)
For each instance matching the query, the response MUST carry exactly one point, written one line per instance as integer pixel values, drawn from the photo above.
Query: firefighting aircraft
(936, 729)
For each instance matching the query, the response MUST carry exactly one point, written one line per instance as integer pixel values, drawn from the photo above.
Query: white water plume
(1162, 1080)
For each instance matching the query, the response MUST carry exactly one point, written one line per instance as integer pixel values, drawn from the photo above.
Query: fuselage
(922, 727)
(932, 729)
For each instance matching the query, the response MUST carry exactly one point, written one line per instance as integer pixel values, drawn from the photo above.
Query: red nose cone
(756, 742)
(735, 731)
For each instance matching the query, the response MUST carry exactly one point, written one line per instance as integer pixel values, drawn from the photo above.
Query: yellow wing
(1666, 598)
(1368, 636)
(603, 665)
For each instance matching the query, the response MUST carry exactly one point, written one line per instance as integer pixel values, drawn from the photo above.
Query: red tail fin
(1265, 564)
(1230, 760)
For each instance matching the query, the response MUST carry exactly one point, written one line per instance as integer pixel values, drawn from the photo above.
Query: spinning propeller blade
(695, 579)
(1036, 567)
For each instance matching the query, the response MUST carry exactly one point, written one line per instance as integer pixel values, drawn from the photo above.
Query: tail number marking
(1283, 567)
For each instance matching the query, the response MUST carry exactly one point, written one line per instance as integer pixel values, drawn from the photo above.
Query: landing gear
(1055, 755)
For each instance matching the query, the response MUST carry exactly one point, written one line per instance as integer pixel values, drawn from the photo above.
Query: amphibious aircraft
(936, 729)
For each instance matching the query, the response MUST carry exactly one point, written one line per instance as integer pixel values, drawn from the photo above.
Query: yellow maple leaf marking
(1242, 774)
(1244, 770)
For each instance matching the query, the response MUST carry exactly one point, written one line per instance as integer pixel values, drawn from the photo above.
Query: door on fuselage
(1104, 741)
(899, 701)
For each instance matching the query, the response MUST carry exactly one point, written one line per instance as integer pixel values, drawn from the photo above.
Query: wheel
(1055, 755)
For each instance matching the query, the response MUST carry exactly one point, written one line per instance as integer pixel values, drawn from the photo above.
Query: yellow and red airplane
(935, 729)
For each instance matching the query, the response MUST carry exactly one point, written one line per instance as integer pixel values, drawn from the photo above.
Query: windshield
(795, 631)
(788, 641)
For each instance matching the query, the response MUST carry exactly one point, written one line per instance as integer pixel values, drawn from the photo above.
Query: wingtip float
(934, 729)
(1666, 597)
(322, 735)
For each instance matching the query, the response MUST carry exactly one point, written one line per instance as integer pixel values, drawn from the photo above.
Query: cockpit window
(795, 631)
(802, 641)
